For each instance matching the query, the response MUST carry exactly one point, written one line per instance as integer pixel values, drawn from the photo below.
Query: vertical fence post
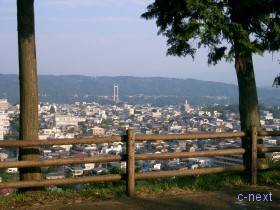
(130, 166)
(254, 154)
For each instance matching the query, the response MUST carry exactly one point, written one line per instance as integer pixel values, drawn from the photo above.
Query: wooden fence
(130, 138)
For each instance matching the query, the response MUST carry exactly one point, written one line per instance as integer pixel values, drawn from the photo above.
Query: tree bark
(28, 88)
(248, 98)
(248, 105)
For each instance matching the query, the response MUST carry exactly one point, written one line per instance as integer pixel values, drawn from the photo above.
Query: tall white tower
(116, 92)
(187, 107)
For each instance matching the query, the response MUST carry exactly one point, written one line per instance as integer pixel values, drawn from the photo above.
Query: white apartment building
(4, 124)
(64, 120)
(51, 133)
(125, 113)
(187, 107)
(4, 104)
(97, 131)
(156, 114)
(46, 108)
(267, 115)
(1, 131)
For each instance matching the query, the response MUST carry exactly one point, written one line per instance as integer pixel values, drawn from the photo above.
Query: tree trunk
(248, 105)
(248, 98)
(28, 88)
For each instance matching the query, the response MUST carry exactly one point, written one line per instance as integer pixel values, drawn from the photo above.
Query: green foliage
(2, 171)
(109, 190)
(104, 124)
(223, 109)
(117, 170)
(52, 169)
(6, 177)
(253, 26)
(138, 169)
(211, 181)
(276, 81)
(271, 177)
(52, 110)
(14, 129)
(158, 89)
(105, 172)
(208, 182)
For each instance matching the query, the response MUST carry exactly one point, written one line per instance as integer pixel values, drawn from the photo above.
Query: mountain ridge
(71, 88)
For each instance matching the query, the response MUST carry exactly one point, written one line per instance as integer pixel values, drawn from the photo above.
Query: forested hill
(155, 90)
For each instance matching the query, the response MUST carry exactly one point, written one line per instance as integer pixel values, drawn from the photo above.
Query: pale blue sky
(108, 38)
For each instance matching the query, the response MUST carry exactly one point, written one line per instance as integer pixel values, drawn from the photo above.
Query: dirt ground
(217, 200)
(260, 198)
(264, 198)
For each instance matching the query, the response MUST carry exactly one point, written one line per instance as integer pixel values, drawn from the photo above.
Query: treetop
(225, 27)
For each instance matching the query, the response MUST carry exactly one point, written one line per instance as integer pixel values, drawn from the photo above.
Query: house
(121, 164)
(190, 148)
(12, 170)
(97, 131)
(65, 120)
(98, 171)
(274, 156)
(55, 175)
(202, 161)
(46, 152)
(89, 166)
(3, 156)
(76, 171)
(179, 167)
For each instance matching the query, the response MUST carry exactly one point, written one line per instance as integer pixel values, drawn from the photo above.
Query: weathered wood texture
(130, 157)
(28, 87)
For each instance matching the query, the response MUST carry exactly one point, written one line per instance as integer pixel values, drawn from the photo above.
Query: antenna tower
(116, 92)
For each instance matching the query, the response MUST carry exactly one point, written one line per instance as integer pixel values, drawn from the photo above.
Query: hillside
(155, 90)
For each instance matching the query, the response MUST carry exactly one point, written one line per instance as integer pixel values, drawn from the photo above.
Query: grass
(110, 190)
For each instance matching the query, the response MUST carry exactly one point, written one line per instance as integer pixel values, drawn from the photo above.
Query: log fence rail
(130, 157)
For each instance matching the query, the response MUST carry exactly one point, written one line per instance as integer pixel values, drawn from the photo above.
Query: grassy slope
(108, 190)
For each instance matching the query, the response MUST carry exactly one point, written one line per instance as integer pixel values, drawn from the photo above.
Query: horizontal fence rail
(152, 137)
(130, 158)
(159, 156)
(268, 133)
(41, 143)
(59, 162)
(201, 171)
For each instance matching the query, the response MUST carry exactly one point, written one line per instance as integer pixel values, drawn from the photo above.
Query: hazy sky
(108, 38)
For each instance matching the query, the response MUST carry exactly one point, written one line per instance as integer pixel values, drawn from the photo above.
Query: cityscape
(86, 120)
(94, 115)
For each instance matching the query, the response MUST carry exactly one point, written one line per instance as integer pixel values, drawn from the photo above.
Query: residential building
(97, 131)
(4, 105)
(1, 130)
(230, 160)
(4, 124)
(187, 107)
(77, 171)
(55, 175)
(65, 120)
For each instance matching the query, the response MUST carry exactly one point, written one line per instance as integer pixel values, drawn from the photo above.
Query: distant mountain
(155, 90)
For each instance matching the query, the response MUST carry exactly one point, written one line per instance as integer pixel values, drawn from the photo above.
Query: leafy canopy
(219, 25)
